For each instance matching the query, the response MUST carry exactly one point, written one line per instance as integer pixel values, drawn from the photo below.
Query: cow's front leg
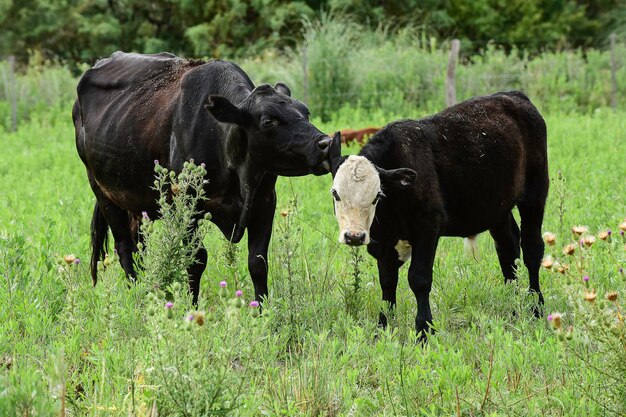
(259, 233)
(421, 280)
(388, 265)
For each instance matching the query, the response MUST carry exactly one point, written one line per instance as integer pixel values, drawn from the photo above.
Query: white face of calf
(356, 190)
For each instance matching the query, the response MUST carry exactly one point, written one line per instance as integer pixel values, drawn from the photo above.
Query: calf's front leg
(421, 280)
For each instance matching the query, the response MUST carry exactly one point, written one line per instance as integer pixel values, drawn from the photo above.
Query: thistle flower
(169, 313)
(144, 216)
(76, 261)
(549, 238)
(590, 296)
(190, 317)
(254, 308)
(569, 249)
(284, 213)
(238, 293)
(612, 296)
(586, 278)
(588, 240)
(200, 318)
(223, 293)
(69, 259)
(547, 262)
(577, 231)
(169, 305)
(555, 320)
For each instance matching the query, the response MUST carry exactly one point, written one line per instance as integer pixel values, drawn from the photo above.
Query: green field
(66, 346)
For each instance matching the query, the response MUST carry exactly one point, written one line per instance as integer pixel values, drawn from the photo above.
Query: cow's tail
(471, 247)
(99, 240)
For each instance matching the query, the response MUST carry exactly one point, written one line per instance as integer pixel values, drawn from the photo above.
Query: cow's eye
(269, 122)
(378, 197)
(335, 195)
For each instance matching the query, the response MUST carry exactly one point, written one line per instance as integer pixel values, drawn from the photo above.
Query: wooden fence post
(12, 96)
(305, 76)
(613, 75)
(450, 77)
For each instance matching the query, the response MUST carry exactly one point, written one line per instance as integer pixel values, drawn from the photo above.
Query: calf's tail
(99, 240)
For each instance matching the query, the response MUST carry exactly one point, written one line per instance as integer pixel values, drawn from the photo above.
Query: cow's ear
(226, 112)
(282, 88)
(334, 154)
(401, 177)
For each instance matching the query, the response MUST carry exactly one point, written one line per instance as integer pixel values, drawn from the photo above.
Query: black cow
(457, 173)
(134, 109)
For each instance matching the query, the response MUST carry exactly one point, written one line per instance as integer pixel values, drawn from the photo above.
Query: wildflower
(254, 308)
(175, 189)
(238, 300)
(190, 317)
(562, 268)
(549, 238)
(144, 216)
(169, 313)
(200, 318)
(604, 235)
(238, 294)
(76, 261)
(586, 278)
(547, 262)
(569, 249)
(612, 296)
(590, 296)
(223, 289)
(69, 259)
(555, 320)
(588, 240)
(577, 231)
(156, 162)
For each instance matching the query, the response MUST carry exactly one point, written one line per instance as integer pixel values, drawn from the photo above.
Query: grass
(66, 346)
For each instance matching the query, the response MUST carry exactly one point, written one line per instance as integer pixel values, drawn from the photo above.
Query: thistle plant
(596, 333)
(169, 248)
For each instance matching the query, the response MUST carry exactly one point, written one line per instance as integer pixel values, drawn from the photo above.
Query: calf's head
(357, 188)
(278, 135)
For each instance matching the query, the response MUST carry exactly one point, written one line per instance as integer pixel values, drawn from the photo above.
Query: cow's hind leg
(119, 221)
(506, 236)
(531, 214)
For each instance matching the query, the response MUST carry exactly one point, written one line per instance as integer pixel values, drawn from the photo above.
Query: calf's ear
(226, 112)
(334, 154)
(401, 177)
(282, 88)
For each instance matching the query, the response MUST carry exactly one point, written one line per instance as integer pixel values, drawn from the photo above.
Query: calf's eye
(335, 195)
(269, 122)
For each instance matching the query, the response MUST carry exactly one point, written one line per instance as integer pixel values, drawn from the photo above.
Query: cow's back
(472, 160)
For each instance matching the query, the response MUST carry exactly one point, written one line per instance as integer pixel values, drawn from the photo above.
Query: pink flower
(254, 304)
(223, 284)
(238, 294)
(586, 278)
(169, 305)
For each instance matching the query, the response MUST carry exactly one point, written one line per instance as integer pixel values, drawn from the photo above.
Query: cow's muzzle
(354, 238)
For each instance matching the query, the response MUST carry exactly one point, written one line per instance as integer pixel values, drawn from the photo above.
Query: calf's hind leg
(506, 237)
(531, 214)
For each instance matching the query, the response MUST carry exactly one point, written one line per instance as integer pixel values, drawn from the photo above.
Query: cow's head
(279, 137)
(357, 187)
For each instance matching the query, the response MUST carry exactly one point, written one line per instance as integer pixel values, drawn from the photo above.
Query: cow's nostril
(324, 143)
(357, 238)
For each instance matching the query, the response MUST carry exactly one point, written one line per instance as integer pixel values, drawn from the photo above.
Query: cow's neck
(249, 177)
